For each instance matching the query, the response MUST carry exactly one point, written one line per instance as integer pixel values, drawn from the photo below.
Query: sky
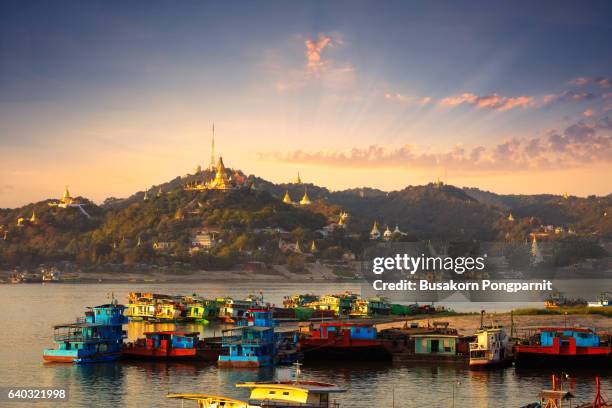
(112, 97)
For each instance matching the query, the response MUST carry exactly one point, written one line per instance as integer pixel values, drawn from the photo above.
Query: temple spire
(305, 199)
(212, 150)
(287, 198)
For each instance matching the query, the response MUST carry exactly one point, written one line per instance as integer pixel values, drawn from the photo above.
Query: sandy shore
(470, 323)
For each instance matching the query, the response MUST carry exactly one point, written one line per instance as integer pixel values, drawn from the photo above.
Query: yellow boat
(282, 394)
(167, 312)
(140, 311)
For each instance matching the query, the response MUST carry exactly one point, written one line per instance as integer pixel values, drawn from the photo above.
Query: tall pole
(212, 150)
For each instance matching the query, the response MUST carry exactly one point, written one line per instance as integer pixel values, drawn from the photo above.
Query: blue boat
(95, 338)
(254, 343)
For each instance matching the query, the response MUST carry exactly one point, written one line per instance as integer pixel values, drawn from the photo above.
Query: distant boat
(96, 338)
(563, 346)
(556, 300)
(603, 300)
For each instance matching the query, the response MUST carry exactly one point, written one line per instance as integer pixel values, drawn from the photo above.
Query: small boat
(201, 310)
(556, 300)
(491, 349)
(563, 346)
(278, 394)
(603, 300)
(232, 310)
(559, 397)
(339, 340)
(376, 306)
(96, 338)
(163, 345)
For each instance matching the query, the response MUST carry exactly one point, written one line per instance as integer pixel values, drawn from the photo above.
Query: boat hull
(244, 361)
(537, 360)
(490, 365)
(370, 352)
(98, 358)
(148, 354)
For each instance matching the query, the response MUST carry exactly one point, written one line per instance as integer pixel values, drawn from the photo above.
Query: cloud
(402, 98)
(578, 145)
(569, 96)
(588, 113)
(314, 48)
(318, 69)
(604, 82)
(492, 101)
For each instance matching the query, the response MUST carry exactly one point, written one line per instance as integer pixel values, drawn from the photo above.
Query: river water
(29, 310)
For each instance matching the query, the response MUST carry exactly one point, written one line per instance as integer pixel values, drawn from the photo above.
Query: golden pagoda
(20, 221)
(387, 234)
(298, 250)
(565, 195)
(66, 198)
(510, 217)
(375, 233)
(343, 218)
(298, 180)
(33, 217)
(160, 192)
(305, 199)
(287, 198)
(313, 247)
(146, 195)
(220, 182)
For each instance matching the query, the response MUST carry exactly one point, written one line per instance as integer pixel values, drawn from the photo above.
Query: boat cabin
(582, 337)
(438, 344)
(174, 339)
(357, 331)
(292, 394)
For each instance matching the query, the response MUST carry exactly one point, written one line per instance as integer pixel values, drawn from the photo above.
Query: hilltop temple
(66, 201)
(222, 180)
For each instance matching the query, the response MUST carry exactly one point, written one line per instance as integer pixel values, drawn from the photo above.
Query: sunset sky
(111, 97)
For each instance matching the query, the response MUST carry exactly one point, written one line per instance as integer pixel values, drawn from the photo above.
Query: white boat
(603, 300)
(493, 348)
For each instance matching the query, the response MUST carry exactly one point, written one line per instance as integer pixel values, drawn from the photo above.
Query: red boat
(563, 346)
(344, 341)
(164, 345)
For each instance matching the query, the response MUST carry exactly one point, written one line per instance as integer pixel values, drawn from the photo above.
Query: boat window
(286, 393)
(272, 392)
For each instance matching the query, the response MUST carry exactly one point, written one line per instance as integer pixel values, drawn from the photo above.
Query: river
(29, 311)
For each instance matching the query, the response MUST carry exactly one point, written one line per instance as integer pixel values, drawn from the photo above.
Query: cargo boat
(254, 343)
(96, 338)
(563, 346)
(492, 348)
(344, 341)
(163, 345)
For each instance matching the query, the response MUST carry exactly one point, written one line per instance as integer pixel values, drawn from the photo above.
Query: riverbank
(278, 273)
(467, 324)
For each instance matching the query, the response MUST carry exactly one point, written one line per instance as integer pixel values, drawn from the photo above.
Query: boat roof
(558, 329)
(310, 386)
(174, 333)
(253, 328)
(204, 397)
(106, 306)
(345, 324)
(450, 336)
